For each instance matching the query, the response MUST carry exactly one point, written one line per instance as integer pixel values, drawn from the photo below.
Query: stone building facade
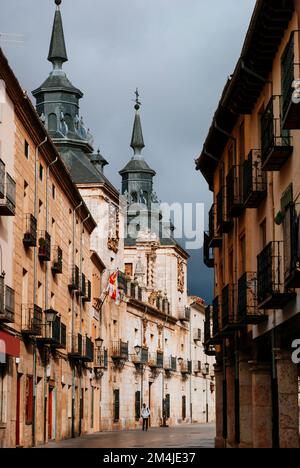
(250, 160)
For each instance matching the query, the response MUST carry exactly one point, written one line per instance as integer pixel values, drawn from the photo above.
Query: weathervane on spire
(137, 101)
(58, 2)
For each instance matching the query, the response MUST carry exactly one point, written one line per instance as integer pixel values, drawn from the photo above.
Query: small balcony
(197, 367)
(224, 222)
(209, 341)
(87, 296)
(53, 333)
(185, 314)
(57, 264)
(170, 364)
(254, 180)
(270, 278)
(216, 334)
(290, 73)
(7, 302)
(215, 240)
(119, 351)
(276, 146)
(44, 247)
(291, 249)
(141, 356)
(186, 367)
(229, 308)
(32, 320)
(208, 254)
(8, 201)
(2, 179)
(248, 312)
(234, 191)
(101, 359)
(30, 235)
(82, 348)
(197, 335)
(74, 278)
(156, 360)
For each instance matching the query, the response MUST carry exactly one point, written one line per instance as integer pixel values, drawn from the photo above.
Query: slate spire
(137, 140)
(57, 52)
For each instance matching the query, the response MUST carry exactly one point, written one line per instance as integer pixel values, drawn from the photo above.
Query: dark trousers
(145, 424)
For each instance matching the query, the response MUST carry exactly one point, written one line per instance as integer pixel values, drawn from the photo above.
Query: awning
(9, 345)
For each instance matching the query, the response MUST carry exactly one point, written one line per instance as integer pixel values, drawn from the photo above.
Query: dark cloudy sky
(178, 52)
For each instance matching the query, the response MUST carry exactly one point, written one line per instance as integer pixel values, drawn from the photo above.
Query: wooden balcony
(8, 201)
(234, 193)
(254, 180)
(224, 222)
(270, 278)
(248, 312)
(30, 234)
(276, 146)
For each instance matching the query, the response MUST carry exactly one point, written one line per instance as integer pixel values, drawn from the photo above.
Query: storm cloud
(178, 52)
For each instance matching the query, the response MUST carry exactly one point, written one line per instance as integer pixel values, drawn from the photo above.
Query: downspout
(46, 302)
(34, 351)
(80, 324)
(73, 323)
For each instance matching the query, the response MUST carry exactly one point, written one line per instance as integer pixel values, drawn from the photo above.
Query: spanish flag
(113, 286)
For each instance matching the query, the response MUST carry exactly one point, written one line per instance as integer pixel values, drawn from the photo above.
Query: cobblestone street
(185, 436)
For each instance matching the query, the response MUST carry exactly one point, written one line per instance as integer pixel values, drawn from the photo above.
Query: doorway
(51, 413)
(18, 410)
(183, 408)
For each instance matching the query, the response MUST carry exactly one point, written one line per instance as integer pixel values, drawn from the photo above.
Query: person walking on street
(145, 415)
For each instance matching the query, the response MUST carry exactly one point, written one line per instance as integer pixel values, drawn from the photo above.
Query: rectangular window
(128, 269)
(116, 405)
(137, 405)
(53, 191)
(41, 172)
(29, 399)
(26, 149)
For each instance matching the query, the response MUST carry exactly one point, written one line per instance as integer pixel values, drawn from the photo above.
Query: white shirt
(145, 412)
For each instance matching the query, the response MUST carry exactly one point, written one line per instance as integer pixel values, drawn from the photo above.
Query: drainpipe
(46, 302)
(80, 324)
(34, 351)
(73, 324)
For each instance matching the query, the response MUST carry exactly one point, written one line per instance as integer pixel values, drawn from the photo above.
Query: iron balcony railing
(88, 292)
(74, 278)
(186, 367)
(215, 240)
(185, 314)
(290, 74)
(156, 360)
(291, 247)
(234, 192)
(8, 202)
(54, 333)
(197, 367)
(224, 223)
(44, 246)
(32, 320)
(101, 359)
(216, 325)
(270, 278)
(197, 334)
(254, 180)
(2, 179)
(76, 348)
(248, 312)
(7, 302)
(228, 307)
(142, 357)
(119, 350)
(276, 146)
(57, 264)
(82, 348)
(170, 364)
(88, 354)
(30, 235)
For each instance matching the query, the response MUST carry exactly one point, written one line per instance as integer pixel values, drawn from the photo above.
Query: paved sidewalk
(183, 436)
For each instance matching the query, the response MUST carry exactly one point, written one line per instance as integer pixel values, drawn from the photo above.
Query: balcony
(208, 254)
(7, 302)
(197, 367)
(216, 335)
(224, 223)
(44, 246)
(101, 359)
(215, 240)
(185, 314)
(248, 312)
(254, 180)
(234, 193)
(32, 320)
(54, 333)
(87, 297)
(291, 248)
(82, 348)
(2, 179)
(197, 335)
(170, 364)
(30, 235)
(57, 260)
(74, 278)
(156, 360)
(8, 201)
(141, 357)
(119, 351)
(290, 73)
(229, 309)
(276, 147)
(186, 367)
(270, 278)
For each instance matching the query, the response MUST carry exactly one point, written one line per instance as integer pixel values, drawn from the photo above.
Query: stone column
(245, 377)
(261, 405)
(219, 441)
(287, 375)
(230, 378)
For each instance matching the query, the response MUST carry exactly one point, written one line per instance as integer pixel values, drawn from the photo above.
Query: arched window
(52, 123)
